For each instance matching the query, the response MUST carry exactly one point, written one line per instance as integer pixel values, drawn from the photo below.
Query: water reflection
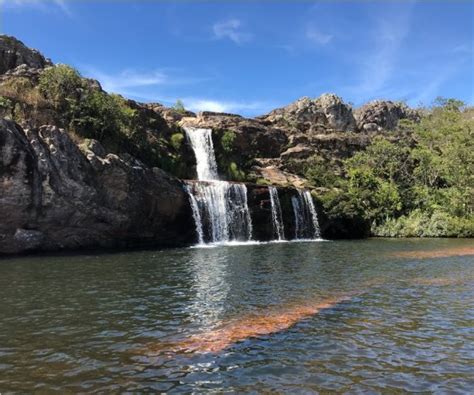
(210, 287)
(355, 316)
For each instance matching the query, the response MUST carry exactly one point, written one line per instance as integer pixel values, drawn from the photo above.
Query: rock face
(14, 53)
(252, 138)
(328, 112)
(380, 115)
(59, 192)
(53, 196)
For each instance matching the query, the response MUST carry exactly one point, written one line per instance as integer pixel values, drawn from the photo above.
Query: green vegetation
(5, 103)
(227, 141)
(420, 185)
(234, 173)
(63, 97)
(179, 106)
(177, 140)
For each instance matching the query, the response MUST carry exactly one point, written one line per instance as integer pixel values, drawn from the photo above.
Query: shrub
(177, 141)
(423, 224)
(227, 141)
(179, 106)
(5, 103)
(60, 84)
(21, 90)
(234, 173)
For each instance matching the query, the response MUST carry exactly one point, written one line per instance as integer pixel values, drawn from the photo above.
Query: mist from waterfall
(220, 208)
(277, 217)
(306, 218)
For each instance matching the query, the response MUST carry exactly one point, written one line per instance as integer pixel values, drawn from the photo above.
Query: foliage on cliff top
(63, 97)
(421, 186)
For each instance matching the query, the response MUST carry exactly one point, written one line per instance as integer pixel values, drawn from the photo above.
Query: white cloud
(377, 67)
(136, 83)
(43, 5)
(128, 79)
(317, 36)
(202, 104)
(231, 29)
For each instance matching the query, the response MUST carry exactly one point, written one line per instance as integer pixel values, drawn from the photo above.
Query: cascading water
(201, 142)
(306, 218)
(277, 217)
(196, 215)
(220, 208)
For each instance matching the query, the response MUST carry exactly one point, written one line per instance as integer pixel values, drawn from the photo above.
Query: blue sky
(249, 57)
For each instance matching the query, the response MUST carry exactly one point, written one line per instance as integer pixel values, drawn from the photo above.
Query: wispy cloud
(203, 104)
(231, 29)
(377, 66)
(317, 37)
(129, 81)
(43, 5)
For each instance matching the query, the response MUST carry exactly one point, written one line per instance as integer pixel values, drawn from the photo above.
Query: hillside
(81, 167)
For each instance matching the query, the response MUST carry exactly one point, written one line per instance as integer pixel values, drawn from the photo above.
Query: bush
(5, 103)
(177, 141)
(60, 84)
(227, 141)
(21, 90)
(179, 106)
(422, 224)
(234, 173)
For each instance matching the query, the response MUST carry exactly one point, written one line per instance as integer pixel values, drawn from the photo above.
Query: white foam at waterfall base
(222, 211)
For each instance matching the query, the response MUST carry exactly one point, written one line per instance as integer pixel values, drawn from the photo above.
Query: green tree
(179, 106)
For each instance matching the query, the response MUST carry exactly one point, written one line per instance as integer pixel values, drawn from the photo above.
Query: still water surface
(356, 316)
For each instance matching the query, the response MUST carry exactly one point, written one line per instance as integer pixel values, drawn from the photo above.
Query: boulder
(14, 53)
(328, 112)
(381, 115)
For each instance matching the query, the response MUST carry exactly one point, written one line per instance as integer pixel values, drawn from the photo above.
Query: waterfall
(196, 215)
(220, 211)
(220, 208)
(306, 218)
(277, 217)
(201, 141)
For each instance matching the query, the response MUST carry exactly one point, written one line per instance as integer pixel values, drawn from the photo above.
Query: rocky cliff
(57, 195)
(81, 168)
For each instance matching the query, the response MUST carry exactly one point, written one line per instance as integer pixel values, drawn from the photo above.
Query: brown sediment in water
(441, 253)
(440, 281)
(249, 326)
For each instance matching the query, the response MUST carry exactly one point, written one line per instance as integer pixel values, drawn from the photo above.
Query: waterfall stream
(277, 217)
(220, 208)
(306, 218)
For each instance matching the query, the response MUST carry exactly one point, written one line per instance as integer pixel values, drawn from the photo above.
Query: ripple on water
(354, 316)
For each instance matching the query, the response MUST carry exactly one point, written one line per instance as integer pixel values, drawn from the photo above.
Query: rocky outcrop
(171, 115)
(380, 115)
(54, 196)
(252, 138)
(330, 228)
(328, 112)
(14, 53)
